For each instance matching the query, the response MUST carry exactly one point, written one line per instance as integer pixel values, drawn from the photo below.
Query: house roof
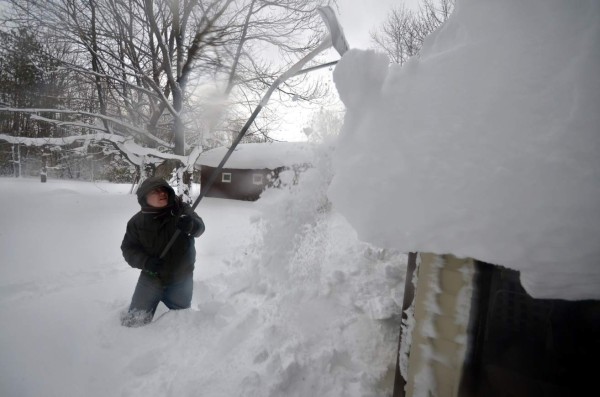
(260, 155)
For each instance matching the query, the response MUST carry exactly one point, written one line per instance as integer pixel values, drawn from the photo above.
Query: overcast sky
(359, 17)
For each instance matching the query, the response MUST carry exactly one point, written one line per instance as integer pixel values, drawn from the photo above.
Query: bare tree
(142, 62)
(433, 13)
(402, 34)
(325, 124)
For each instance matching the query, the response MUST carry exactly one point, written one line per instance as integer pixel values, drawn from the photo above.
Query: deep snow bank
(323, 307)
(287, 301)
(487, 146)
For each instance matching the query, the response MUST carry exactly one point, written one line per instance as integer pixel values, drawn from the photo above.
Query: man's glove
(153, 266)
(188, 225)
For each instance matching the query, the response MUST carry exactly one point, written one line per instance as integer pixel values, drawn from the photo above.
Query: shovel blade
(338, 40)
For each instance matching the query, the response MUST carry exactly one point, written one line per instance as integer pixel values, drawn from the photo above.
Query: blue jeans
(149, 292)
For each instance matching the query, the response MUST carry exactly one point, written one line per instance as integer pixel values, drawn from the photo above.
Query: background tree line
(113, 87)
(148, 81)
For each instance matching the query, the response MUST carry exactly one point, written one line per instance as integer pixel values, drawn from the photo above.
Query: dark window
(257, 179)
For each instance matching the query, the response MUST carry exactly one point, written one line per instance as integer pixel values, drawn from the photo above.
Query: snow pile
(287, 301)
(487, 146)
(314, 296)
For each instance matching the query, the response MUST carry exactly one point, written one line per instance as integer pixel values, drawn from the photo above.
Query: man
(169, 279)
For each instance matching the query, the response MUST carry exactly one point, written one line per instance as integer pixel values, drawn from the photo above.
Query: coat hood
(152, 183)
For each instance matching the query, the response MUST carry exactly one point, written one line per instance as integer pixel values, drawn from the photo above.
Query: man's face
(158, 197)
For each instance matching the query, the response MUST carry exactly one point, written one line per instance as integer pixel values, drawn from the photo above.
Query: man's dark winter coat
(149, 231)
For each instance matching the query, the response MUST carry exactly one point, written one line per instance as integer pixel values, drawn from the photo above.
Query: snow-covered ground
(287, 301)
(486, 146)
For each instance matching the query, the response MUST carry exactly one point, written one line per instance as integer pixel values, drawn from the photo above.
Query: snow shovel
(334, 39)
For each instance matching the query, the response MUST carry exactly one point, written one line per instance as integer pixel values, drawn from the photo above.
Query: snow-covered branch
(89, 114)
(135, 152)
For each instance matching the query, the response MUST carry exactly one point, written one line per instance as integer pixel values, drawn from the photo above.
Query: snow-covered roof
(487, 145)
(260, 155)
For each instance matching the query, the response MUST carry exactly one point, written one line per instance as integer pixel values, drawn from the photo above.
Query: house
(470, 329)
(251, 168)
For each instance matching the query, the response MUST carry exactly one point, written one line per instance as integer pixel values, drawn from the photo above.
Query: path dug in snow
(310, 312)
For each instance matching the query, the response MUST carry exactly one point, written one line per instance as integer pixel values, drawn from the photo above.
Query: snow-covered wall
(487, 146)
